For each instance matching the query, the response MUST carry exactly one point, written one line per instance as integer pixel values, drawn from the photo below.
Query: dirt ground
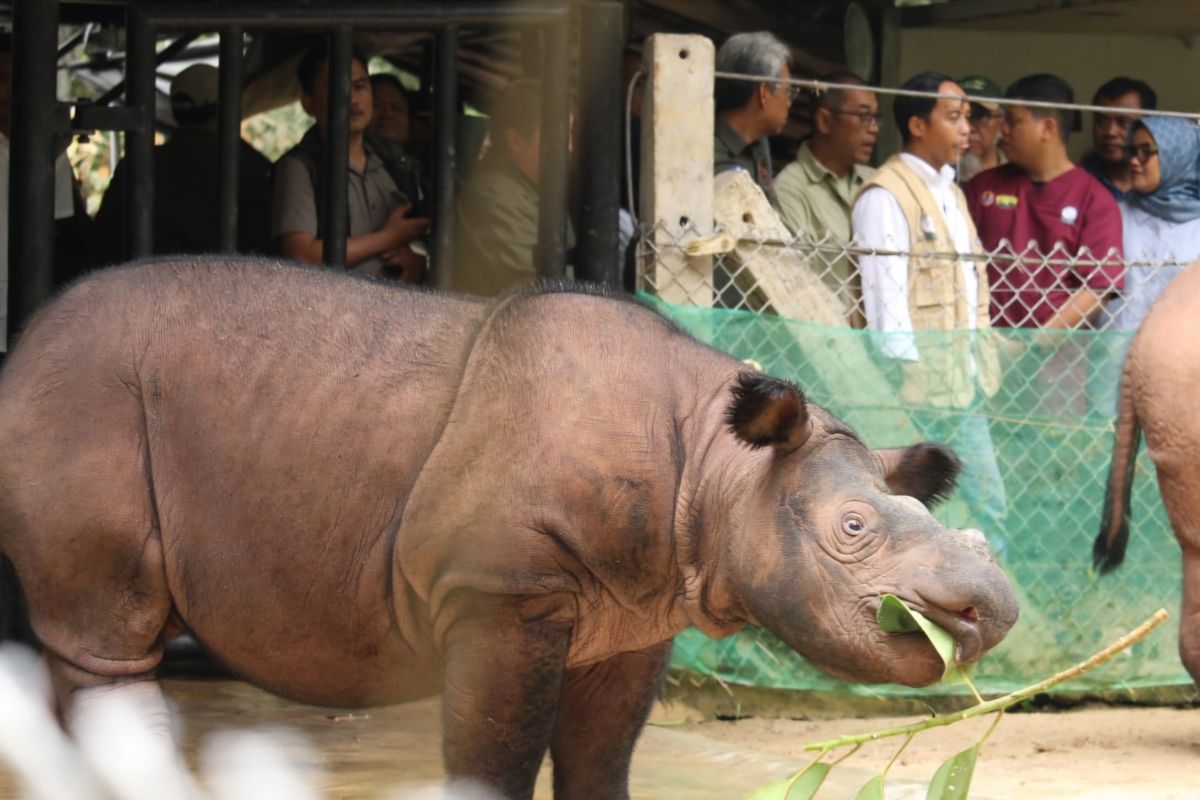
(1092, 753)
(1098, 753)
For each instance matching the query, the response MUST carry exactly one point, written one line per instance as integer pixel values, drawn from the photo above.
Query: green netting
(1051, 427)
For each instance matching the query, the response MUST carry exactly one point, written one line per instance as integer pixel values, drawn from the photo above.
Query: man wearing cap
(186, 211)
(816, 191)
(986, 118)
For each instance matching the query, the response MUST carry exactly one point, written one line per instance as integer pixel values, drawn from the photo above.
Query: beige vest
(937, 298)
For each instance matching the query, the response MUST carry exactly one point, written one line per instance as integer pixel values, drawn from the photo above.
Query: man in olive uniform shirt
(497, 212)
(817, 190)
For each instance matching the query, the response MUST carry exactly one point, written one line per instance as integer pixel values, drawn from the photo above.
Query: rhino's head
(829, 525)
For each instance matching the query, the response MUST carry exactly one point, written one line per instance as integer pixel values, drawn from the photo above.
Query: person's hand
(404, 229)
(404, 264)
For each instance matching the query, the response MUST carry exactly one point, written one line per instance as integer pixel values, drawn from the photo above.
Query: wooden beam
(961, 11)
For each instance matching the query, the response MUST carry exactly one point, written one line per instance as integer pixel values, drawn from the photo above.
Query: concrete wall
(1170, 65)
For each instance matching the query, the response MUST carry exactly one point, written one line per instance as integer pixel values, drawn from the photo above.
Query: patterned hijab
(1177, 198)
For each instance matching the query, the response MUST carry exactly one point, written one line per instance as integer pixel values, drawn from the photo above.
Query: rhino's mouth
(962, 624)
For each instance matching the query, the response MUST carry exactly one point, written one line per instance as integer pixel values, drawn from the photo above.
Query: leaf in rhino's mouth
(894, 616)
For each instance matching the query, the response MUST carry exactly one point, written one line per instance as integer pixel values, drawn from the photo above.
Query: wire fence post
(677, 166)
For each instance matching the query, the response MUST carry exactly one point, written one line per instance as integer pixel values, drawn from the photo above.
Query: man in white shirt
(929, 309)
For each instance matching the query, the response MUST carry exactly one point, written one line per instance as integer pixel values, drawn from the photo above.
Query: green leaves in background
(896, 617)
(798, 787)
(953, 778)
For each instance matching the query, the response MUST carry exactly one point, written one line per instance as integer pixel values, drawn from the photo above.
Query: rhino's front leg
(504, 667)
(602, 711)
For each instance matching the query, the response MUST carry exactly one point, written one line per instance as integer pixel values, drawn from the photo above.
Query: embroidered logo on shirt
(1006, 201)
(1069, 215)
(987, 198)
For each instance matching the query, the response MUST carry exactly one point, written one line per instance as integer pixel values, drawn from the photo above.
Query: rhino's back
(266, 422)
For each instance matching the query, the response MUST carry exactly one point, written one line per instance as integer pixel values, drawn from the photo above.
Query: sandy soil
(1098, 753)
(1089, 753)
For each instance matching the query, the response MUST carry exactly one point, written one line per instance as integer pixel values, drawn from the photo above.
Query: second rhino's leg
(504, 666)
(1189, 622)
(603, 709)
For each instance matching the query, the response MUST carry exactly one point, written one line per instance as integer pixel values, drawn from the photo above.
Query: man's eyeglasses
(1141, 152)
(865, 118)
(979, 115)
(792, 90)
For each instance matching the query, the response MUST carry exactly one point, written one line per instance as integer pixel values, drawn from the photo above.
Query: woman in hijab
(1161, 215)
(1161, 218)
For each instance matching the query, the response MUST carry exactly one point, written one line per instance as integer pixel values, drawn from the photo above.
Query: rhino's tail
(1109, 549)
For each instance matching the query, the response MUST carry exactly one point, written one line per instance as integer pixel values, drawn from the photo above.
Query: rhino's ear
(768, 411)
(926, 471)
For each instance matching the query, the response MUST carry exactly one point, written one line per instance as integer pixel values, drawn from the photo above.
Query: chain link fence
(1031, 412)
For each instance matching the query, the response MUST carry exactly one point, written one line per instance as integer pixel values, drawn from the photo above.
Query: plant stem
(1000, 703)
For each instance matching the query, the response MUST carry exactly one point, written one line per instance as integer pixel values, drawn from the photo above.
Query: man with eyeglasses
(748, 111)
(1108, 161)
(986, 119)
(817, 190)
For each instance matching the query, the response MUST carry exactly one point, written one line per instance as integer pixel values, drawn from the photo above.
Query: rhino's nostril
(969, 614)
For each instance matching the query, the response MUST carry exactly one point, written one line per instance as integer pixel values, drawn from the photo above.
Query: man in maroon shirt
(1047, 209)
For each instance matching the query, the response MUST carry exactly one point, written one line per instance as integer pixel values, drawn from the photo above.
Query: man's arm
(294, 222)
(396, 232)
(879, 224)
(1102, 236)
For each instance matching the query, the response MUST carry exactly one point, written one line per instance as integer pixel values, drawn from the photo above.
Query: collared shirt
(1070, 217)
(730, 151)
(371, 197)
(496, 219)
(1095, 166)
(880, 224)
(815, 202)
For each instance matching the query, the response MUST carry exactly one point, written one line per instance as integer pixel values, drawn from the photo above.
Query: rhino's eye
(853, 524)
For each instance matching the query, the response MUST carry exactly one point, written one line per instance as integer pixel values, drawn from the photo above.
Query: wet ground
(1098, 754)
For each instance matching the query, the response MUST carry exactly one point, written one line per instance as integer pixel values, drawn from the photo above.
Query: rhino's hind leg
(602, 711)
(1189, 623)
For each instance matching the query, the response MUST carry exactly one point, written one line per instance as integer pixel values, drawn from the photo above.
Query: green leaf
(801, 786)
(953, 778)
(872, 790)
(896, 617)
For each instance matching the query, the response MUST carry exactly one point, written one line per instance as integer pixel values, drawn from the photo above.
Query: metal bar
(336, 152)
(31, 189)
(71, 42)
(354, 14)
(167, 54)
(602, 34)
(445, 123)
(139, 143)
(229, 135)
(549, 256)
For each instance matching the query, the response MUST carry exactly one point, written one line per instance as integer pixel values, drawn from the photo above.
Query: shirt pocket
(933, 285)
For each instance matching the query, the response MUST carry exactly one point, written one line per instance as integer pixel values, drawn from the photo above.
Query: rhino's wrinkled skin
(357, 494)
(1159, 390)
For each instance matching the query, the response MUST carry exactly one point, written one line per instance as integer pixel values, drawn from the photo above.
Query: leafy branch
(954, 776)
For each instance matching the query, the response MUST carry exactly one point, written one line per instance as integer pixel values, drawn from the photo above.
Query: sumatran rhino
(356, 494)
(1159, 388)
